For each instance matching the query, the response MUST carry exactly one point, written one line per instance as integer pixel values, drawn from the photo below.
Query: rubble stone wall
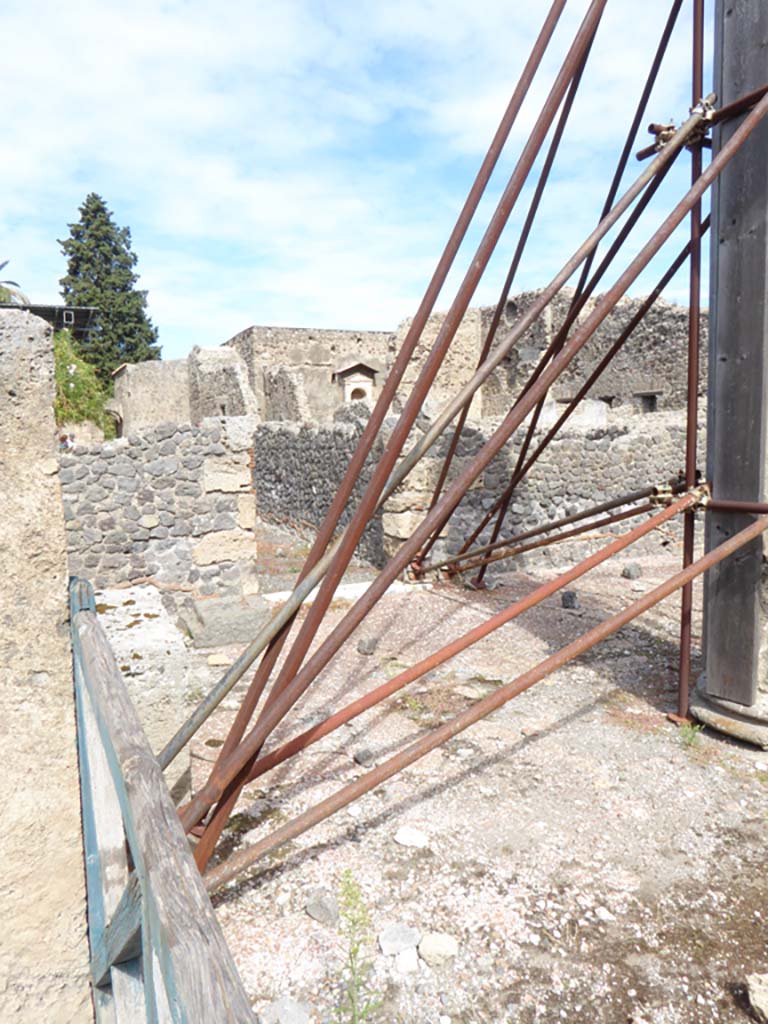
(647, 374)
(175, 504)
(297, 469)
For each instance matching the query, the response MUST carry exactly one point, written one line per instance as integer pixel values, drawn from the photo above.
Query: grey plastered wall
(44, 949)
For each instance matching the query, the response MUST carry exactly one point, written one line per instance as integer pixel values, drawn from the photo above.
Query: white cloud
(296, 162)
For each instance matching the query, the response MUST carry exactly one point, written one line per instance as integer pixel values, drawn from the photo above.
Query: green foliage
(80, 395)
(689, 733)
(100, 272)
(358, 1002)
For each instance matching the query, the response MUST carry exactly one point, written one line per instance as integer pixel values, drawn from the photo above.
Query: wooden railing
(139, 868)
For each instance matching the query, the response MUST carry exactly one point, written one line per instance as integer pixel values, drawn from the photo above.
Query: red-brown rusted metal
(372, 427)
(739, 106)
(748, 508)
(607, 205)
(498, 312)
(557, 538)
(371, 497)
(245, 858)
(554, 524)
(266, 762)
(213, 790)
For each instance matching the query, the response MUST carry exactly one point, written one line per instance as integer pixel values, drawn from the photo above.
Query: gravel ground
(592, 861)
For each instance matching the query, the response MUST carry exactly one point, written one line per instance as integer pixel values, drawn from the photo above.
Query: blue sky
(302, 163)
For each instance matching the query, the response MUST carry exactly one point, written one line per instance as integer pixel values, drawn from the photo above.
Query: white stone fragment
(396, 938)
(757, 988)
(437, 948)
(407, 835)
(407, 961)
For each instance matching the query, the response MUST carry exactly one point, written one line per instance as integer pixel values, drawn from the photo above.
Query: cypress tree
(100, 272)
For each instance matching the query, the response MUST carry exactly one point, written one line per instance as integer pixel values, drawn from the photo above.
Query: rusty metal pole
(576, 517)
(386, 464)
(381, 476)
(266, 762)
(608, 203)
(692, 404)
(251, 744)
(370, 432)
(247, 857)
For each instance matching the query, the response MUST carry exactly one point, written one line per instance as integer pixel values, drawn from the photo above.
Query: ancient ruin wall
(312, 355)
(649, 371)
(150, 393)
(174, 504)
(44, 952)
(297, 470)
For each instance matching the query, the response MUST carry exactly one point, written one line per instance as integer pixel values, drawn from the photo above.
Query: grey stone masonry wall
(651, 365)
(175, 504)
(580, 469)
(298, 468)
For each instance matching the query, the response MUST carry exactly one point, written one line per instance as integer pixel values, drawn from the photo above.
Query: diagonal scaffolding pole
(267, 762)
(246, 858)
(308, 582)
(252, 743)
(607, 205)
(593, 377)
(372, 497)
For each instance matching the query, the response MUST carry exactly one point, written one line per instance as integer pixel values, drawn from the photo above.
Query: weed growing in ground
(689, 734)
(358, 1001)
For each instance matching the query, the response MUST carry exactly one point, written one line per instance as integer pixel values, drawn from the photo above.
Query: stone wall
(581, 468)
(297, 469)
(150, 393)
(648, 374)
(285, 395)
(218, 385)
(311, 354)
(44, 951)
(174, 504)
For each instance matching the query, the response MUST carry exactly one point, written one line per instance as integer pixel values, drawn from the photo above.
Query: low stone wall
(175, 504)
(297, 470)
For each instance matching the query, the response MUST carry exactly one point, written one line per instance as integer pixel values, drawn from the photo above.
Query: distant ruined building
(303, 375)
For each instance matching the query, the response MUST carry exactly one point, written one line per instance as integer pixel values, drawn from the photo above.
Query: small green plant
(689, 734)
(80, 395)
(358, 1002)
(414, 705)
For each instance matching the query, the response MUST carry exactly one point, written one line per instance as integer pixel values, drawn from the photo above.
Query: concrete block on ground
(217, 621)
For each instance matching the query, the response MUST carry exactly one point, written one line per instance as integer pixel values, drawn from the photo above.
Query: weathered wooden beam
(737, 432)
(121, 937)
(188, 971)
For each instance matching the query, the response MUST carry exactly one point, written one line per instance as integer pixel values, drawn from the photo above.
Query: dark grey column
(734, 691)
